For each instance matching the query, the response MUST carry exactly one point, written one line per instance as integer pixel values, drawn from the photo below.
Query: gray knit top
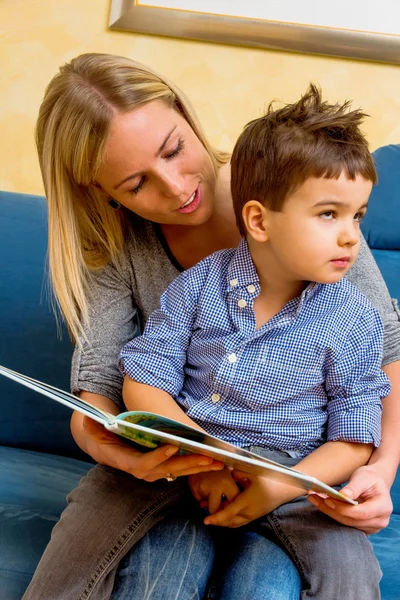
(127, 292)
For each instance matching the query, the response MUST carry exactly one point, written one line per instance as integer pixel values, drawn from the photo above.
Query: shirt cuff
(359, 425)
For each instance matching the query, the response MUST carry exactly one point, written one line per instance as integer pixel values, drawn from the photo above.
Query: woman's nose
(172, 184)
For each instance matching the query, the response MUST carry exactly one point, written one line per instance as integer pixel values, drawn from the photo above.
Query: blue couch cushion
(29, 341)
(381, 225)
(34, 486)
(386, 546)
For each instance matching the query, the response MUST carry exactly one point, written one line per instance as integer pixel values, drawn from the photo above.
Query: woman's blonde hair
(72, 129)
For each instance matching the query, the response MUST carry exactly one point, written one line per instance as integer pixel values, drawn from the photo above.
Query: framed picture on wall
(361, 29)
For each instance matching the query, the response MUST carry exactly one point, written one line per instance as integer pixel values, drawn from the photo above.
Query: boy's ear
(254, 215)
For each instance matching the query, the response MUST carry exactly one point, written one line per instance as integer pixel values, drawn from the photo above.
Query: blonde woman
(136, 194)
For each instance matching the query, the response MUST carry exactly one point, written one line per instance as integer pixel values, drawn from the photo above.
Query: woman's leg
(334, 561)
(107, 514)
(173, 561)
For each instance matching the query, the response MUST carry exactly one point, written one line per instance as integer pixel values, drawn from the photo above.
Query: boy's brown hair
(278, 152)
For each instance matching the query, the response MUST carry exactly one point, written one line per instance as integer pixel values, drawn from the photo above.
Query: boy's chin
(331, 278)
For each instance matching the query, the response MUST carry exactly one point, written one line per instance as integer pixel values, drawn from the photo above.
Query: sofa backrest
(28, 333)
(381, 225)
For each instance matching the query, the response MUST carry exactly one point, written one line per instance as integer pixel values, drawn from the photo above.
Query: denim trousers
(121, 538)
(94, 548)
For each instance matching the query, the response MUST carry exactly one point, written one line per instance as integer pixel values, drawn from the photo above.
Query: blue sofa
(39, 462)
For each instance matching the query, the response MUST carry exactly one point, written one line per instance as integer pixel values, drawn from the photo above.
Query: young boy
(268, 347)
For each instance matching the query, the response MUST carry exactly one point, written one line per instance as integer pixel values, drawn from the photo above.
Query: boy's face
(316, 236)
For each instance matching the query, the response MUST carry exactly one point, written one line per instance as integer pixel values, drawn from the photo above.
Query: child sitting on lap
(270, 348)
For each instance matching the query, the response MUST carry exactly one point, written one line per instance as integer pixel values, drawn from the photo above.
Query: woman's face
(155, 166)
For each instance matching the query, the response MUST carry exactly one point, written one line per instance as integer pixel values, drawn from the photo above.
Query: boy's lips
(341, 262)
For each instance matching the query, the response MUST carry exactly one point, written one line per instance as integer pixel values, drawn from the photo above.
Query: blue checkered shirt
(310, 374)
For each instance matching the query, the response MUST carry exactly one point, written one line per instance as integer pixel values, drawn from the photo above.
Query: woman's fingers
(155, 465)
(375, 506)
(110, 449)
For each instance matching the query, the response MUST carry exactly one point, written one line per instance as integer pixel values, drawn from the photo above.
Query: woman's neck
(191, 244)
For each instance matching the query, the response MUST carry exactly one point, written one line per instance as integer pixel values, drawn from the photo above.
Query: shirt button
(242, 303)
(233, 282)
(251, 289)
(215, 397)
(232, 358)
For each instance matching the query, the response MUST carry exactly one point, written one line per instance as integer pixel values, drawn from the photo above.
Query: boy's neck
(277, 287)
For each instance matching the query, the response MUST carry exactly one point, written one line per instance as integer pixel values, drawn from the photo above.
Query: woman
(135, 194)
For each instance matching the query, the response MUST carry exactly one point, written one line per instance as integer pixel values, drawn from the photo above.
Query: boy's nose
(350, 235)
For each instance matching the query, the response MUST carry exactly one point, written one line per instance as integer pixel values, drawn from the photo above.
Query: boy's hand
(259, 497)
(213, 488)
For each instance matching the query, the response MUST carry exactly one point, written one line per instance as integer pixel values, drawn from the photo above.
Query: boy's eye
(327, 215)
(358, 217)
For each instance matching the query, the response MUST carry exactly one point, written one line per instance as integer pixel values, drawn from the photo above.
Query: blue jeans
(111, 525)
(180, 559)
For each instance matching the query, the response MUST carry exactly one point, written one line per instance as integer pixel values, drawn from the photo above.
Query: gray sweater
(121, 293)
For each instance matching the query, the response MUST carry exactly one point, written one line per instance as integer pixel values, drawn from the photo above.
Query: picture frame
(182, 19)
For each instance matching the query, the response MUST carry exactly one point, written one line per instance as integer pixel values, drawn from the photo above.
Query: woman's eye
(176, 150)
(327, 215)
(136, 189)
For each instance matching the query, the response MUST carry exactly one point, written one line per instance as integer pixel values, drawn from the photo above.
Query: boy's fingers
(214, 502)
(223, 517)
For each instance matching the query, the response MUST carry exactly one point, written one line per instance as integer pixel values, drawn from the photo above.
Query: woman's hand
(109, 449)
(375, 505)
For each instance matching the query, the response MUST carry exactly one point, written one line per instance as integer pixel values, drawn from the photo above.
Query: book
(149, 431)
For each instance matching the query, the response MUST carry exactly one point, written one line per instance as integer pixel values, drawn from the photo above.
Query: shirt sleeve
(158, 357)
(355, 384)
(113, 320)
(366, 276)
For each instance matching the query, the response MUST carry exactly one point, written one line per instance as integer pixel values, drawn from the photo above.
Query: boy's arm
(372, 483)
(354, 385)
(140, 396)
(331, 463)
(157, 358)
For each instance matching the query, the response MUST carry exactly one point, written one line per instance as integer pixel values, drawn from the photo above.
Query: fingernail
(205, 461)
(329, 503)
(217, 467)
(170, 451)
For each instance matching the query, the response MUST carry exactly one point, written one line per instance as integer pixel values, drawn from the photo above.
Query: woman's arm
(108, 449)
(366, 276)
(96, 377)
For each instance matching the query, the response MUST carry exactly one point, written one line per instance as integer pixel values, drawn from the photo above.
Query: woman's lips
(193, 204)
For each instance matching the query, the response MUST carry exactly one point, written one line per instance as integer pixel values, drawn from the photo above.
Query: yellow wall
(228, 85)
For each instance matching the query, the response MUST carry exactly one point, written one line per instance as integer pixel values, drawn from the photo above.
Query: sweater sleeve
(365, 275)
(112, 323)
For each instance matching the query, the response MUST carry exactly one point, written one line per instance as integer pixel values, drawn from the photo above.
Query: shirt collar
(242, 272)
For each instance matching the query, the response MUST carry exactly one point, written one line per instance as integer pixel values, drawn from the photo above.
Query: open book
(150, 431)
